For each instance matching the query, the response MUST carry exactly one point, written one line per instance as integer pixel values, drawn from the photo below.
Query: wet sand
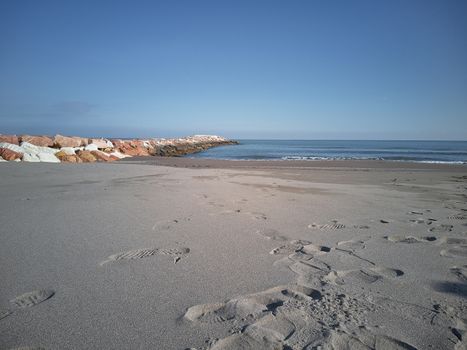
(175, 253)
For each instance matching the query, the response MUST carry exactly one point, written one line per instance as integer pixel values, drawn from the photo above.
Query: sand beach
(175, 253)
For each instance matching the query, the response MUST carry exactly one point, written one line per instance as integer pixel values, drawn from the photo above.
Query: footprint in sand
(455, 252)
(352, 244)
(387, 271)
(442, 228)
(364, 340)
(361, 227)
(459, 272)
(293, 317)
(32, 298)
(27, 300)
(367, 276)
(410, 239)
(413, 212)
(277, 318)
(334, 226)
(428, 221)
(457, 217)
(300, 250)
(176, 253)
(272, 234)
(352, 277)
(314, 249)
(301, 314)
(289, 248)
(453, 240)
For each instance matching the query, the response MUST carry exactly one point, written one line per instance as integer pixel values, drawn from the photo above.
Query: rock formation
(8, 154)
(43, 141)
(13, 139)
(83, 150)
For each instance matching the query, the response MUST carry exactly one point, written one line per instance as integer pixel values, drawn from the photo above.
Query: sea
(412, 151)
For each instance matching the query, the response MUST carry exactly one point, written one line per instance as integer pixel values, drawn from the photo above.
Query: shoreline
(187, 162)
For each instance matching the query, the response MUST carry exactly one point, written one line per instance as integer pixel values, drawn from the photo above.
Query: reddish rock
(68, 158)
(8, 154)
(101, 156)
(43, 141)
(13, 139)
(142, 151)
(86, 156)
(66, 141)
(131, 148)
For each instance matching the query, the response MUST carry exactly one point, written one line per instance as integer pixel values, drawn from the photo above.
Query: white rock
(119, 155)
(16, 160)
(33, 149)
(3, 160)
(91, 147)
(48, 158)
(28, 157)
(68, 150)
(11, 146)
(102, 143)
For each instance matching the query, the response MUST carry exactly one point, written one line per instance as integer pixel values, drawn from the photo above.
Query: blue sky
(244, 69)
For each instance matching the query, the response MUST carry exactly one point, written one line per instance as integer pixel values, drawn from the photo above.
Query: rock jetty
(28, 148)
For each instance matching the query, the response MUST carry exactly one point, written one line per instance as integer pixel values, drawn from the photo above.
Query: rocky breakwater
(75, 149)
(189, 145)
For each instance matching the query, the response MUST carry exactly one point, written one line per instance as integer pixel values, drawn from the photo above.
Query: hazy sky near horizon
(244, 69)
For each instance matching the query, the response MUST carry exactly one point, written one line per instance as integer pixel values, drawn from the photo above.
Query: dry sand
(180, 253)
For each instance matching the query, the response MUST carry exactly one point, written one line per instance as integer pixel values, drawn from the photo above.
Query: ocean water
(415, 151)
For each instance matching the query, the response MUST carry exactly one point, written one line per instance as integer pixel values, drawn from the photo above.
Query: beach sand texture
(180, 254)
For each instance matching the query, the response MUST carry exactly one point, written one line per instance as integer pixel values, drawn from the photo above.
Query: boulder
(68, 151)
(61, 141)
(101, 143)
(132, 148)
(3, 160)
(101, 156)
(12, 147)
(43, 141)
(72, 159)
(68, 158)
(91, 147)
(33, 149)
(13, 139)
(86, 156)
(47, 157)
(28, 157)
(8, 154)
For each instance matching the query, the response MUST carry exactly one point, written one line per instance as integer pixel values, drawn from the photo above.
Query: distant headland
(74, 149)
